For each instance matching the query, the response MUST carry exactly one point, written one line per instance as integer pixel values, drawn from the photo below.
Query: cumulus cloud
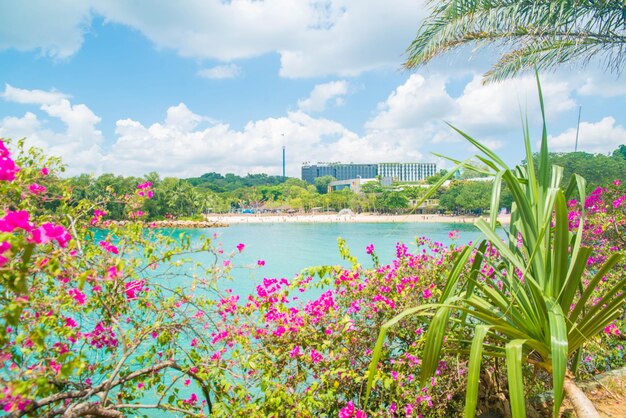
(601, 85)
(23, 96)
(322, 94)
(405, 127)
(221, 72)
(54, 28)
(313, 38)
(413, 104)
(418, 108)
(594, 137)
(79, 143)
(170, 150)
(187, 144)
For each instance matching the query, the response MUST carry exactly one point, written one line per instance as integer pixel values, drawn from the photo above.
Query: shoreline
(231, 219)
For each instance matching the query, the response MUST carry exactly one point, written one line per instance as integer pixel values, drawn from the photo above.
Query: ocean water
(288, 248)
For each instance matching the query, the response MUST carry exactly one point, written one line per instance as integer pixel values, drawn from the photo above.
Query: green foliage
(466, 197)
(230, 182)
(620, 152)
(125, 318)
(534, 305)
(321, 183)
(597, 169)
(531, 34)
(91, 319)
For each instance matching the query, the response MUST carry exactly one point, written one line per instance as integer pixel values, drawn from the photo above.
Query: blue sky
(188, 88)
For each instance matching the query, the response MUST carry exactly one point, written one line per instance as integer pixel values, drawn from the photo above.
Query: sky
(186, 88)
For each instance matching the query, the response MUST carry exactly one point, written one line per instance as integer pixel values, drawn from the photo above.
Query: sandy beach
(334, 217)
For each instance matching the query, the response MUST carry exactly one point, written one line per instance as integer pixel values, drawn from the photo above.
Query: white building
(407, 171)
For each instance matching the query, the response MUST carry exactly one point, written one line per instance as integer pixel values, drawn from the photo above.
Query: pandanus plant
(543, 312)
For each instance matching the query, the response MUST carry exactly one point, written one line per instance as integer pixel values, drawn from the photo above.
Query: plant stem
(582, 405)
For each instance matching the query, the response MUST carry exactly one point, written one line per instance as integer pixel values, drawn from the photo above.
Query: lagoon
(288, 248)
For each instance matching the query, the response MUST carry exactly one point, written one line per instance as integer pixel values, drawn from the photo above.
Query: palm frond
(541, 34)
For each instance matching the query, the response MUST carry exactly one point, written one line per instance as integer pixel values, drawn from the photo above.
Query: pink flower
(611, 329)
(453, 234)
(15, 219)
(36, 189)
(97, 216)
(133, 288)
(369, 249)
(260, 263)
(145, 190)
(194, 342)
(617, 183)
(316, 357)
(137, 214)
(240, 247)
(109, 247)
(55, 366)
(8, 168)
(295, 352)
(4, 247)
(427, 293)
(70, 323)
(349, 411)
(78, 296)
(112, 273)
(51, 232)
(193, 399)
(44, 171)
(102, 337)
(140, 385)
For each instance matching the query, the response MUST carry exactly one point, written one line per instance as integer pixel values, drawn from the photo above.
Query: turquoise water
(289, 248)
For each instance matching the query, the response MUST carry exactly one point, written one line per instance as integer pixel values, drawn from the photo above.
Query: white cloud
(55, 28)
(322, 94)
(414, 104)
(417, 109)
(78, 145)
(313, 38)
(255, 148)
(221, 72)
(596, 84)
(17, 95)
(407, 126)
(188, 144)
(595, 137)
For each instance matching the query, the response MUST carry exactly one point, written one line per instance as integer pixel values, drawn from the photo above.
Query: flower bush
(102, 318)
(95, 321)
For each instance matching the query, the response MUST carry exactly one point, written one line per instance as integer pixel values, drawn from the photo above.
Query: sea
(288, 248)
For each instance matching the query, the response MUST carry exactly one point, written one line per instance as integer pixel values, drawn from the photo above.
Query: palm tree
(535, 33)
(542, 314)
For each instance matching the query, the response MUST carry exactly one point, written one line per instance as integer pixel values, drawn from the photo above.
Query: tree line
(212, 192)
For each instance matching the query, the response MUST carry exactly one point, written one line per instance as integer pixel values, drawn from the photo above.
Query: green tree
(474, 196)
(541, 34)
(598, 169)
(620, 152)
(321, 183)
(434, 179)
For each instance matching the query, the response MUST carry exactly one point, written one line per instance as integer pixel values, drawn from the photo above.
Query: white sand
(333, 217)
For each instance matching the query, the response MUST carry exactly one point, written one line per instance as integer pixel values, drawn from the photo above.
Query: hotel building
(403, 172)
